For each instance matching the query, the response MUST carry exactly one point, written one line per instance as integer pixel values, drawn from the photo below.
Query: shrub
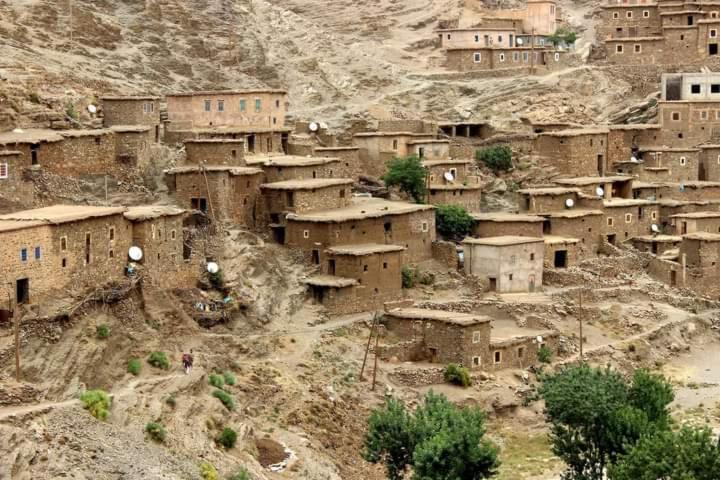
(229, 378)
(71, 112)
(227, 438)
(409, 175)
(103, 331)
(408, 276)
(159, 360)
(457, 375)
(208, 471)
(241, 475)
(545, 354)
(134, 366)
(216, 381)
(497, 158)
(217, 279)
(97, 402)
(225, 398)
(453, 221)
(156, 431)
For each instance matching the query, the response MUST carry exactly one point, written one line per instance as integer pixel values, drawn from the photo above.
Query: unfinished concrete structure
(508, 263)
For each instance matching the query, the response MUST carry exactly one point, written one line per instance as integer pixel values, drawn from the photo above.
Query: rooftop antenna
(92, 108)
(314, 127)
(449, 176)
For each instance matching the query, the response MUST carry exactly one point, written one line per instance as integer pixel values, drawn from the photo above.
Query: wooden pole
(207, 189)
(367, 348)
(377, 339)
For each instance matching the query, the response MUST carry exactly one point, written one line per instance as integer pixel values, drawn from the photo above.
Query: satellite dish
(92, 108)
(655, 228)
(539, 338)
(600, 192)
(633, 159)
(569, 203)
(449, 176)
(520, 41)
(213, 267)
(314, 127)
(135, 254)
(18, 130)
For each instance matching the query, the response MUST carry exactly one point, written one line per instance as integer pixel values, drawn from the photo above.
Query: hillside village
(311, 279)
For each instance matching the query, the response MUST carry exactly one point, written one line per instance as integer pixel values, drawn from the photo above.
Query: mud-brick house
(280, 168)
(696, 190)
(215, 151)
(74, 153)
(691, 222)
(583, 224)
(656, 244)
(307, 195)
(501, 223)
(670, 207)
(366, 220)
(132, 145)
(450, 171)
(561, 252)
(617, 186)
(548, 199)
(13, 187)
(226, 194)
(258, 140)
(628, 218)
(61, 247)
(349, 157)
(542, 59)
(430, 149)
(133, 110)
(509, 263)
(358, 278)
(467, 196)
(574, 152)
(378, 148)
(471, 340)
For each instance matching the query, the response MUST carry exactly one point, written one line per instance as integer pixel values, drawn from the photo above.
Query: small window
(676, 116)
(715, 88)
(713, 14)
(713, 33)
(704, 115)
(521, 352)
(3, 170)
(532, 257)
(695, 89)
(208, 105)
(258, 105)
(385, 265)
(476, 361)
(37, 253)
(498, 356)
(638, 48)
(425, 227)
(172, 234)
(98, 140)
(499, 38)
(395, 145)
(618, 49)
(63, 240)
(306, 233)
(449, 36)
(476, 337)
(510, 276)
(525, 57)
(616, 15)
(501, 57)
(112, 233)
(64, 262)
(646, 13)
(557, 57)
(683, 161)
(629, 14)
(243, 105)
(610, 221)
(653, 215)
(111, 254)
(477, 57)
(628, 218)
(477, 38)
(221, 105)
(277, 103)
(365, 268)
(23, 255)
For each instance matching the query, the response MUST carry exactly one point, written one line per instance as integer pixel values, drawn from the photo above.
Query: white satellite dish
(135, 254)
(520, 41)
(569, 203)
(314, 127)
(633, 159)
(449, 176)
(655, 228)
(213, 267)
(92, 108)
(599, 191)
(18, 130)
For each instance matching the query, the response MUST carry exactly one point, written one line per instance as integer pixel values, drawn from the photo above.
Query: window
(557, 57)
(715, 88)
(3, 170)
(148, 107)
(646, 13)
(610, 222)
(98, 140)
(63, 243)
(258, 105)
(695, 89)
(498, 356)
(172, 234)
(477, 38)
(23, 255)
(525, 57)
(449, 36)
(532, 257)
(221, 105)
(64, 262)
(306, 233)
(501, 57)
(628, 218)
(638, 48)
(384, 265)
(618, 49)
(510, 276)
(552, 9)
(365, 268)
(476, 361)
(713, 33)
(111, 254)
(653, 215)
(112, 233)
(683, 161)
(629, 14)
(477, 57)
(208, 105)
(521, 352)
(37, 253)
(516, 56)
(274, 120)
(616, 15)
(424, 226)
(499, 38)
(476, 337)
(395, 145)
(277, 103)
(704, 115)
(676, 116)
(243, 105)
(713, 14)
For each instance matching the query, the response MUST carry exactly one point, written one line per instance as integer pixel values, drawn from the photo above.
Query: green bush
(225, 398)
(103, 331)
(408, 276)
(97, 402)
(545, 354)
(217, 279)
(208, 471)
(409, 175)
(563, 35)
(497, 158)
(216, 381)
(134, 366)
(159, 360)
(227, 438)
(71, 112)
(156, 431)
(457, 375)
(453, 222)
(241, 475)
(229, 378)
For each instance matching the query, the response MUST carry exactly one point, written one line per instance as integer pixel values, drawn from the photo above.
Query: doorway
(612, 239)
(683, 228)
(421, 152)
(712, 49)
(331, 267)
(284, 143)
(531, 283)
(493, 284)
(433, 354)
(34, 153)
(601, 165)
(316, 257)
(279, 234)
(560, 260)
(22, 291)
(690, 20)
(702, 176)
(251, 143)
(673, 278)
(157, 133)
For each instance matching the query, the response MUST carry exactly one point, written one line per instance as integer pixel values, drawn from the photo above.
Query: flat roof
(626, 202)
(703, 236)
(7, 153)
(330, 281)
(332, 149)
(289, 160)
(548, 191)
(705, 214)
(576, 132)
(130, 128)
(572, 213)
(227, 92)
(149, 212)
(671, 202)
(593, 180)
(559, 240)
(641, 184)
(215, 140)
(454, 318)
(213, 168)
(237, 129)
(636, 39)
(360, 209)
(657, 238)
(307, 184)
(473, 29)
(55, 215)
(37, 135)
(667, 149)
(429, 140)
(453, 186)
(392, 134)
(502, 240)
(364, 249)
(449, 161)
(128, 98)
(635, 126)
(502, 217)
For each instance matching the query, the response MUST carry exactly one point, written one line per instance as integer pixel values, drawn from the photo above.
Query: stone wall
(133, 148)
(628, 222)
(483, 229)
(587, 228)
(278, 201)
(277, 173)
(349, 159)
(522, 351)
(130, 111)
(446, 253)
(13, 187)
(573, 155)
(570, 249)
(468, 198)
(215, 152)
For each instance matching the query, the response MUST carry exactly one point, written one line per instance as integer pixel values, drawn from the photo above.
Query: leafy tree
(545, 354)
(563, 35)
(596, 415)
(497, 158)
(453, 221)
(408, 174)
(689, 454)
(439, 441)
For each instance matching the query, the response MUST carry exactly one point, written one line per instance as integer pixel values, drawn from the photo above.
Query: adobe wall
(483, 229)
(470, 199)
(575, 156)
(436, 172)
(133, 148)
(14, 188)
(79, 156)
(430, 150)
(337, 301)
(189, 111)
(131, 112)
(349, 159)
(710, 160)
(509, 59)
(546, 203)
(692, 225)
(407, 125)
(275, 173)
(570, 248)
(651, 52)
(616, 24)
(378, 274)
(521, 352)
(446, 253)
(624, 229)
(588, 229)
(279, 201)
(661, 247)
(257, 143)
(227, 152)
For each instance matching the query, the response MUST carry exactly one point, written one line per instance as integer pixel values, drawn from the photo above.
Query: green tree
(408, 174)
(497, 158)
(439, 441)
(453, 221)
(596, 415)
(562, 35)
(689, 454)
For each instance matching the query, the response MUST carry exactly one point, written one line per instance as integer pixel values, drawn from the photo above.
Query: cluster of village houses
(245, 167)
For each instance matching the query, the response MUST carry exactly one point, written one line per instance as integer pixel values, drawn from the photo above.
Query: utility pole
(580, 316)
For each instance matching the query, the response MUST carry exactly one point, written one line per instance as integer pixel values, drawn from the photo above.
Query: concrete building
(509, 263)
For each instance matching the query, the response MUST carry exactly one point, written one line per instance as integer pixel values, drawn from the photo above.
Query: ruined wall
(133, 148)
(446, 253)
